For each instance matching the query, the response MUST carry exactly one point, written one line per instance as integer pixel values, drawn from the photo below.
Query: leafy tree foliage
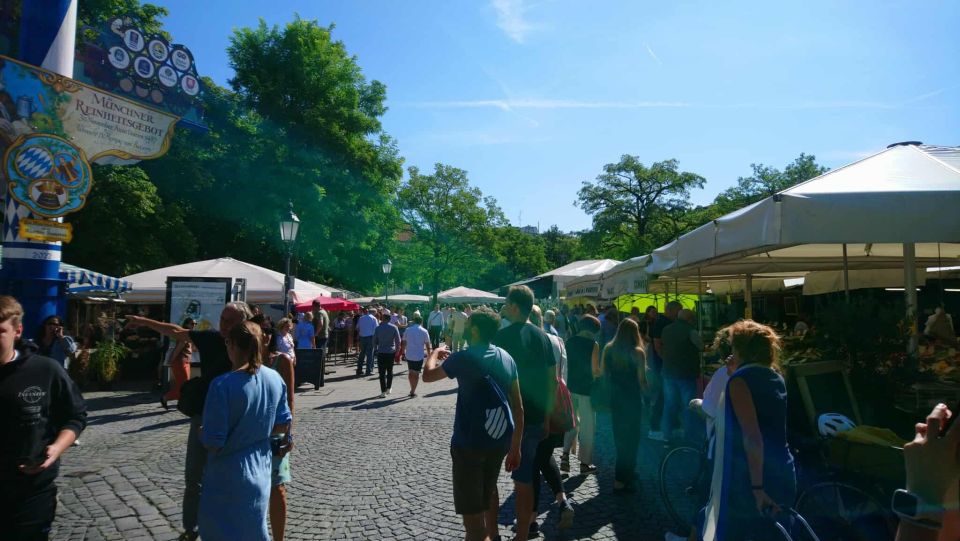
(766, 181)
(629, 198)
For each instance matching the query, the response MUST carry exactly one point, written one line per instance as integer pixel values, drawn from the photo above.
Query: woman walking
(583, 366)
(753, 474)
(625, 365)
(179, 365)
(280, 477)
(243, 409)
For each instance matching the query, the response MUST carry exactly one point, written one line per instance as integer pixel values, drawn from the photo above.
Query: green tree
(560, 248)
(766, 181)
(514, 255)
(452, 221)
(629, 198)
(126, 228)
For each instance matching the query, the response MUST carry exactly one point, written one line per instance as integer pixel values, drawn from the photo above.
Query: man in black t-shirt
(533, 353)
(656, 365)
(214, 362)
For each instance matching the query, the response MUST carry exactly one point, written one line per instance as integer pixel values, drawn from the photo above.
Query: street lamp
(289, 227)
(387, 266)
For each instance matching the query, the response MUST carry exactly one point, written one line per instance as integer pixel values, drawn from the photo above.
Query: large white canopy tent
(467, 295)
(400, 298)
(264, 286)
(551, 283)
(893, 210)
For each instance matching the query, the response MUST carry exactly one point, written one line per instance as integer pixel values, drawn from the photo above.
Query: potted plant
(105, 362)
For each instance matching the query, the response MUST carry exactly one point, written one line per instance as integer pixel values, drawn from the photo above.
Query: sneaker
(565, 462)
(656, 435)
(587, 468)
(534, 530)
(670, 536)
(382, 395)
(413, 394)
(389, 391)
(566, 514)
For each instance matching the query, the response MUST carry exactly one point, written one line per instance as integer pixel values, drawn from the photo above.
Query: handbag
(563, 418)
(193, 393)
(600, 394)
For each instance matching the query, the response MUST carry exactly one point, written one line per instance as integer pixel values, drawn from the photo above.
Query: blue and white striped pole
(31, 269)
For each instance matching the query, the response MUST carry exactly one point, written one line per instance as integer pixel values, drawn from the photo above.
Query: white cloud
(510, 19)
(653, 55)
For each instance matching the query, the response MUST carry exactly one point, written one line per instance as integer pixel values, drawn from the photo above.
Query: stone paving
(363, 468)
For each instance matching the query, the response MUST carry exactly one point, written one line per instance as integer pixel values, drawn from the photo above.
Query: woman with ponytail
(753, 473)
(243, 409)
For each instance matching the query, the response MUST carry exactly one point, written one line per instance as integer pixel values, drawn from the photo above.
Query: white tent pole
(910, 291)
(700, 312)
(846, 274)
(748, 298)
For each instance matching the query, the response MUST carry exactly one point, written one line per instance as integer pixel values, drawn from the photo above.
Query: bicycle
(684, 476)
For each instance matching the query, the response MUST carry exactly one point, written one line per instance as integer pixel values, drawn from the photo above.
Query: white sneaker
(389, 391)
(670, 536)
(382, 395)
(656, 435)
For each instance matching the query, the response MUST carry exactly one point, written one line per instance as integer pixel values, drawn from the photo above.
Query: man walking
(366, 326)
(656, 364)
(386, 342)
(458, 323)
(321, 325)
(477, 459)
(42, 415)
(681, 346)
(214, 361)
(533, 354)
(415, 346)
(435, 326)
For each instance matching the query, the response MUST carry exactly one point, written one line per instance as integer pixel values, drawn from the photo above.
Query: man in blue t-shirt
(475, 470)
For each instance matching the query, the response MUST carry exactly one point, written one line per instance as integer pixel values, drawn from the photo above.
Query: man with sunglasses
(214, 361)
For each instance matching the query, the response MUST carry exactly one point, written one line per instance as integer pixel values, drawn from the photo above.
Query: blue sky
(532, 97)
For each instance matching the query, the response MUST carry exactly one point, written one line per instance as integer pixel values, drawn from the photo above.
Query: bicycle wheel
(840, 512)
(681, 484)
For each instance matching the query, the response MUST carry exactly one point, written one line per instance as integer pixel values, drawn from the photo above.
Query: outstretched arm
(167, 329)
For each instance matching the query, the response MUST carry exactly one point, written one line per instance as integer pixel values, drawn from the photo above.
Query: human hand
(513, 459)
(765, 503)
(931, 458)
(52, 453)
(442, 352)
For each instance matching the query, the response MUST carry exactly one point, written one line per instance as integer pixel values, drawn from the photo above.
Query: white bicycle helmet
(831, 424)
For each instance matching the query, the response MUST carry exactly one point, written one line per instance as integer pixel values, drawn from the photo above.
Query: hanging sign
(106, 127)
(45, 230)
(121, 58)
(47, 174)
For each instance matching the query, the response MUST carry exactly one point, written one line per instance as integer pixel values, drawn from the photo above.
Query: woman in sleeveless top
(179, 365)
(624, 363)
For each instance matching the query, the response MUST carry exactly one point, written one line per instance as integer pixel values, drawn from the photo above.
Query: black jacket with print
(37, 400)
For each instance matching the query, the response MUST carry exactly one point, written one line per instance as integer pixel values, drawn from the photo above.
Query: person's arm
(285, 369)
(746, 413)
(216, 409)
(516, 410)
(595, 362)
(641, 368)
(396, 339)
(284, 416)
(696, 340)
(167, 329)
(69, 414)
(658, 346)
(431, 371)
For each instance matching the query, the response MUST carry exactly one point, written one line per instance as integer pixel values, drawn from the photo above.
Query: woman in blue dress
(243, 409)
(754, 474)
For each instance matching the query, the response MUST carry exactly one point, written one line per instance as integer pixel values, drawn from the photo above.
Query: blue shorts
(415, 366)
(528, 451)
(281, 470)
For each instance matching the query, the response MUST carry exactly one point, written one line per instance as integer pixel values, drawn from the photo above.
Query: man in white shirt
(415, 346)
(366, 326)
(458, 324)
(435, 326)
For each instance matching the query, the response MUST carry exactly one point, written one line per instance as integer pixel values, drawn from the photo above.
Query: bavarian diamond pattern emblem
(48, 175)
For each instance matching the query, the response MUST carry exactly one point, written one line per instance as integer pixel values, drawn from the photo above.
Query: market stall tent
(551, 283)
(400, 298)
(331, 304)
(467, 295)
(264, 286)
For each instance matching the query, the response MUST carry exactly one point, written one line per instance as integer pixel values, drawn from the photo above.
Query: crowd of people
(528, 383)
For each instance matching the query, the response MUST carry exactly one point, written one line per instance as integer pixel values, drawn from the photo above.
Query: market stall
(467, 295)
(551, 283)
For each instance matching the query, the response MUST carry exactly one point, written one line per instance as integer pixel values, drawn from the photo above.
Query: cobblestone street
(363, 468)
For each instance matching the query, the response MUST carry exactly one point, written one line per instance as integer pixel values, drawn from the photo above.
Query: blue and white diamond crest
(48, 175)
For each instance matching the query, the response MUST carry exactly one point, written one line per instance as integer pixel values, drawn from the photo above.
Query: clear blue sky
(533, 97)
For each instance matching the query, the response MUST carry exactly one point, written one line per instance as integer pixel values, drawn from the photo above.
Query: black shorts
(475, 476)
(28, 510)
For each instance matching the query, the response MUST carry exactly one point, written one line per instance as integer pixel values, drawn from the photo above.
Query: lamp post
(387, 266)
(289, 227)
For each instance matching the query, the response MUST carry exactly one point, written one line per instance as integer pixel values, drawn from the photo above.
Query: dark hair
(590, 323)
(487, 323)
(187, 321)
(247, 337)
(522, 296)
(620, 350)
(42, 333)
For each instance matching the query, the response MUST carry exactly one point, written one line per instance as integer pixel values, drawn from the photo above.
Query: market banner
(107, 128)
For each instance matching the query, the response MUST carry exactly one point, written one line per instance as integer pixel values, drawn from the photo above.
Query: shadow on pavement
(382, 403)
(107, 419)
(343, 404)
(182, 420)
(442, 393)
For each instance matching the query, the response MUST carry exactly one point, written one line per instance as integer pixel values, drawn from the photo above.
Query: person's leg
(616, 421)
(193, 475)
(413, 376)
(475, 530)
(523, 478)
(389, 368)
(383, 360)
(671, 403)
(656, 412)
(631, 440)
(181, 373)
(278, 511)
(524, 508)
(570, 437)
(490, 515)
(588, 429)
(321, 360)
(361, 356)
(30, 516)
(688, 391)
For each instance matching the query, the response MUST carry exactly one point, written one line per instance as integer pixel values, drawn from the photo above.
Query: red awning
(329, 304)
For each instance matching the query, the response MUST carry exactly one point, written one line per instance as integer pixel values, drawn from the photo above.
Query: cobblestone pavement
(363, 468)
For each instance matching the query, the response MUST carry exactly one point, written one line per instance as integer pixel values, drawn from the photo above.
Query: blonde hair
(247, 338)
(10, 310)
(755, 343)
